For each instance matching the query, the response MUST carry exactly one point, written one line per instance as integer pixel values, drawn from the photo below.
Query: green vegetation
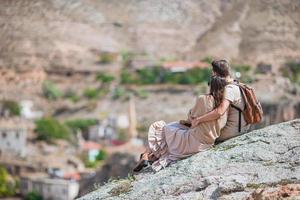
(254, 185)
(89, 164)
(148, 75)
(50, 91)
(104, 77)
(80, 124)
(142, 93)
(158, 75)
(128, 77)
(102, 155)
(291, 70)
(106, 58)
(122, 185)
(33, 196)
(245, 72)
(12, 107)
(241, 68)
(70, 94)
(94, 93)
(207, 59)
(126, 57)
(122, 135)
(118, 93)
(7, 187)
(49, 129)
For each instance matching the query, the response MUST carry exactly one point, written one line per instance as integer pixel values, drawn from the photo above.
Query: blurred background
(82, 80)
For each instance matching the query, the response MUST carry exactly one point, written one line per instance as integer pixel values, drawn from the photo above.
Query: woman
(174, 141)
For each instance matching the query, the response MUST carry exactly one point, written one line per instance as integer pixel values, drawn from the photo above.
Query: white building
(13, 134)
(28, 112)
(49, 188)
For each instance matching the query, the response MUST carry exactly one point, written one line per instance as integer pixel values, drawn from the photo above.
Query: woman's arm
(212, 115)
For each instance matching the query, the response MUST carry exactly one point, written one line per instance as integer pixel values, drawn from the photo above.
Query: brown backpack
(253, 112)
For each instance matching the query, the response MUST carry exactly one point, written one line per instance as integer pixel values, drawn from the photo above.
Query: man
(236, 124)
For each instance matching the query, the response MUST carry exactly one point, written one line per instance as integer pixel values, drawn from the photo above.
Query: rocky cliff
(71, 33)
(263, 164)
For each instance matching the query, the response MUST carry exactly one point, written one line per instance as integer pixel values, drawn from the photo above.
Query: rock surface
(263, 164)
(71, 33)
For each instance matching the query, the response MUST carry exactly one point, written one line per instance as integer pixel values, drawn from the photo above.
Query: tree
(7, 188)
(49, 128)
(33, 196)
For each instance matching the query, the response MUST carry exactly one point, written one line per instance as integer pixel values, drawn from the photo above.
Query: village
(55, 170)
(59, 168)
(59, 143)
(43, 159)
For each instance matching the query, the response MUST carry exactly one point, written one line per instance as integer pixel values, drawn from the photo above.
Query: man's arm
(212, 115)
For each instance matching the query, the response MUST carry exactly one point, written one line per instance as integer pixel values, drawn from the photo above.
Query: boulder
(262, 164)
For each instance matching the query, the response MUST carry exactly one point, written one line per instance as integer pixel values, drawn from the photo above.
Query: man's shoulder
(232, 85)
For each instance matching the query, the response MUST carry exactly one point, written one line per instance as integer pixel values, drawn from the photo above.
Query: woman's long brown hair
(217, 87)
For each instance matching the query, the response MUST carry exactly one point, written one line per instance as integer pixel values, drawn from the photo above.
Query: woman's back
(207, 132)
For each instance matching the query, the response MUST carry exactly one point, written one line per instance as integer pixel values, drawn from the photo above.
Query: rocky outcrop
(72, 33)
(263, 164)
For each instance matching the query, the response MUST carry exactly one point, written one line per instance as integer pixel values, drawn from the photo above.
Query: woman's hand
(195, 122)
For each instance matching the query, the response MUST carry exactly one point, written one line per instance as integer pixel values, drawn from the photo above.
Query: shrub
(142, 93)
(118, 93)
(50, 91)
(158, 75)
(149, 75)
(243, 69)
(192, 76)
(128, 77)
(80, 124)
(291, 70)
(91, 93)
(70, 94)
(105, 78)
(196, 75)
(106, 58)
(170, 77)
(49, 128)
(102, 155)
(126, 58)
(90, 164)
(7, 188)
(245, 72)
(207, 59)
(12, 106)
(33, 196)
(122, 135)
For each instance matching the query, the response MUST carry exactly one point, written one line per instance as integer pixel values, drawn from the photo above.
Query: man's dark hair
(221, 67)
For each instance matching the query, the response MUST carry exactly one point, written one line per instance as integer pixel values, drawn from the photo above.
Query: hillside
(72, 33)
(263, 164)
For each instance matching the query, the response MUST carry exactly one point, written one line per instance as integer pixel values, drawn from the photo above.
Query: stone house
(91, 149)
(48, 188)
(107, 128)
(13, 134)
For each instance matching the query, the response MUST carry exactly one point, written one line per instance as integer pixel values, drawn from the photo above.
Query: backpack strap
(237, 83)
(240, 116)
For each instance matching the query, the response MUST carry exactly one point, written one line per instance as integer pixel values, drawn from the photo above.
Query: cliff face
(263, 164)
(71, 33)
